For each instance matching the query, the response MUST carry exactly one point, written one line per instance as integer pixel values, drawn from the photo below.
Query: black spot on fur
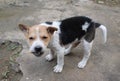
(71, 29)
(90, 34)
(97, 25)
(50, 23)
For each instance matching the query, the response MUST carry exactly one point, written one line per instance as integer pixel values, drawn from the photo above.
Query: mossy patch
(9, 51)
(108, 2)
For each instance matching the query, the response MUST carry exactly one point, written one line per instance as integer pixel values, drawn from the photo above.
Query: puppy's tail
(104, 30)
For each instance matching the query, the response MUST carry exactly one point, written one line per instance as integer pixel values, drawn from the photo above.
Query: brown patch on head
(46, 33)
(38, 32)
(31, 37)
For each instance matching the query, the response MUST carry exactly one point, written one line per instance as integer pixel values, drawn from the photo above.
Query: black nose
(38, 49)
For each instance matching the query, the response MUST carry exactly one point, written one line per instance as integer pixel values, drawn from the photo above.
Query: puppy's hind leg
(87, 52)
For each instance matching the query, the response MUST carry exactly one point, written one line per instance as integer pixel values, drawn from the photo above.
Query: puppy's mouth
(38, 54)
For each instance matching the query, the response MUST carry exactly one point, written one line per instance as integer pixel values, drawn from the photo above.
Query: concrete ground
(104, 63)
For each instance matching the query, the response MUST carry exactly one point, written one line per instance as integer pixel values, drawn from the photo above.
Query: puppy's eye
(44, 37)
(31, 38)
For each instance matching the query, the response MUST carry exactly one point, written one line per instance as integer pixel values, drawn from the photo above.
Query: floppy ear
(51, 30)
(23, 28)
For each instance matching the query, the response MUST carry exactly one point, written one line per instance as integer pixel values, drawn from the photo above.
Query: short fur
(69, 32)
(71, 29)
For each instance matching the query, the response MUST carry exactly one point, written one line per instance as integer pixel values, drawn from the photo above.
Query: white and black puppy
(56, 35)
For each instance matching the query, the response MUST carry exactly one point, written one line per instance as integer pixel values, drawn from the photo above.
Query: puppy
(59, 34)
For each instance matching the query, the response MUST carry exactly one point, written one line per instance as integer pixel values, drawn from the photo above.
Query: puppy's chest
(55, 42)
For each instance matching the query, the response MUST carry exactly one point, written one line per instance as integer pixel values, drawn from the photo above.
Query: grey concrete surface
(104, 62)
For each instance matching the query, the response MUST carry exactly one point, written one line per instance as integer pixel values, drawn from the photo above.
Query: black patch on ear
(50, 23)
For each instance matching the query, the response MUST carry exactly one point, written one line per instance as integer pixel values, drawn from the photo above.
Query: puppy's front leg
(60, 60)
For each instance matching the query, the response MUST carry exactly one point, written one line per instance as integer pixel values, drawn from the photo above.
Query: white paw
(58, 68)
(81, 64)
(49, 57)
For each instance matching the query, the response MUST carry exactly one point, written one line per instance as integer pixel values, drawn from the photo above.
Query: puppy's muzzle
(38, 51)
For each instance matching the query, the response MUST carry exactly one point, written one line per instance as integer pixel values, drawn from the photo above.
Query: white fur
(68, 50)
(59, 50)
(85, 26)
(50, 56)
(44, 24)
(104, 31)
(87, 52)
(37, 43)
(55, 24)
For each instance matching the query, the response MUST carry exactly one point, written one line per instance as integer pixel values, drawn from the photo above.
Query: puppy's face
(38, 37)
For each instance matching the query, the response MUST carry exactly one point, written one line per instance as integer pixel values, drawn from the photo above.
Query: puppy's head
(38, 37)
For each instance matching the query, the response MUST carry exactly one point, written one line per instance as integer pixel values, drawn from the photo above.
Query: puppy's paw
(58, 68)
(81, 64)
(49, 57)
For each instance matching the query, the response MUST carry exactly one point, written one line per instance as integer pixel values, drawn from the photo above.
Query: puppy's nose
(38, 49)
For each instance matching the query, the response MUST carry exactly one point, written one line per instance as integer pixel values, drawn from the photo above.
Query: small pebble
(27, 78)
(100, 2)
(40, 79)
